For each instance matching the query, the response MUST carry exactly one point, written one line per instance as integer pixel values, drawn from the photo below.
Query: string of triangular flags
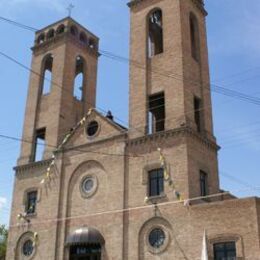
(167, 176)
(47, 177)
(48, 174)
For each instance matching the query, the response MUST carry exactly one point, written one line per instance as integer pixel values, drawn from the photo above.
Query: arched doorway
(85, 244)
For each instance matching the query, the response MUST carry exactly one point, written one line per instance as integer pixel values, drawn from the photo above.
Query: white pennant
(204, 252)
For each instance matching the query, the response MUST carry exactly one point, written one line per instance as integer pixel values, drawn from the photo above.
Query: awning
(85, 236)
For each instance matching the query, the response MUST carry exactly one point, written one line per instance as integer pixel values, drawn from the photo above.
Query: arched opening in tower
(155, 39)
(78, 90)
(47, 75)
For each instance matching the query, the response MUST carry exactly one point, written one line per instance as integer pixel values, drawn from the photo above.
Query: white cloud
(3, 202)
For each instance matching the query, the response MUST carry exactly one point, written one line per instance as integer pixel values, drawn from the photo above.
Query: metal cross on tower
(69, 8)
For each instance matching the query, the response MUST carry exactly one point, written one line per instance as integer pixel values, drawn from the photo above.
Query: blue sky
(234, 53)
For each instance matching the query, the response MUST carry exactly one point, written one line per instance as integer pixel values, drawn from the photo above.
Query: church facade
(88, 188)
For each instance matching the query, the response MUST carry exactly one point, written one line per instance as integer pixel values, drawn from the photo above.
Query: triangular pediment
(93, 128)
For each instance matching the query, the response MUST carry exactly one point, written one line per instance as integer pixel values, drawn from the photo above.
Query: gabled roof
(107, 128)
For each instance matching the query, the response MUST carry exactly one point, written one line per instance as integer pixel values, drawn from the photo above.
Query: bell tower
(169, 81)
(62, 86)
(170, 97)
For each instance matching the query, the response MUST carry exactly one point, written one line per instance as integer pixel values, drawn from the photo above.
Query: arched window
(83, 38)
(47, 74)
(78, 89)
(41, 38)
(74, 30)
(155, 33)
(60, 29)
(194, 37)
(50, 34)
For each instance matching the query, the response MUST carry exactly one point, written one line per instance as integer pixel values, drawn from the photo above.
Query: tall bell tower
(169, 69)
(62, 86)
(170, 88)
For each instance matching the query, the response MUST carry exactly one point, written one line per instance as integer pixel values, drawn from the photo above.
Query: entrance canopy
(85, 236)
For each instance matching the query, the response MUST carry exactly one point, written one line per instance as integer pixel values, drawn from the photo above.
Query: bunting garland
(48, 173)
(167, 176)
(23, 216)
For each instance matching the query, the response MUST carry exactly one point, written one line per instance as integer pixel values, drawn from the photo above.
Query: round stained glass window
(157, 238)
(28, 248)
(92, 128)
(88, 185)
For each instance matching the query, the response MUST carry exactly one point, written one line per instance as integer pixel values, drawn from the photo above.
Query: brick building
(88, 188)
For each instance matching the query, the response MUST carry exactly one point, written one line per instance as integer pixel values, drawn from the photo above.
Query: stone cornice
(174, 133)
(63, 38)
(34, 165)
(134, 3)
(198, 3)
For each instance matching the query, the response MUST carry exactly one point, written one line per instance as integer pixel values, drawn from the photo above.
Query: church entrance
(85, 243)
(85, 252)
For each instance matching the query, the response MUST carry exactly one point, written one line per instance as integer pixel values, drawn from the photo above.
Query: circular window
(28, 248)
(157, 238)
(92, 128)
(88, 185)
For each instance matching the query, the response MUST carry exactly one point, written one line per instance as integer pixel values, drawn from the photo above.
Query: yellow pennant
(52, 163)
(35, 239)
(146, 199)
(82, 121)
(89, 111)
(66, 138)
(166, 174)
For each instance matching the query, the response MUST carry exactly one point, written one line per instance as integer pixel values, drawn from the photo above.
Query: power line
(18, 24)
(110, 55)
(218, 89)
(67, 149)
(38, 74)
(123, 210)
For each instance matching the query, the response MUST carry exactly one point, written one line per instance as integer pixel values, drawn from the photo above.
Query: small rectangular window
(31, 202)
(197, 113)
(156, 182)
(156, 113)
(225, 251)
(39, 145)
(203, 184)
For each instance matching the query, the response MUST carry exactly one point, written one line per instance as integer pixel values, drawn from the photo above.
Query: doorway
(85, 252)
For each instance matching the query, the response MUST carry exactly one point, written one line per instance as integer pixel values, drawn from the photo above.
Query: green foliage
(3, 241)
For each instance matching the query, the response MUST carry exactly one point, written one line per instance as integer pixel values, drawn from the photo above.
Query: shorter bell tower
(62, 86)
